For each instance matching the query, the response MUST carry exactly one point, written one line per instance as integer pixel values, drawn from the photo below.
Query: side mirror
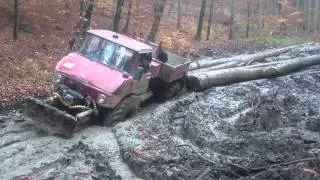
(125, 75)
(138, 73)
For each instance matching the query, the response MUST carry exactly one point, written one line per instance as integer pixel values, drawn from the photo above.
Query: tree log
(206, 80)
(233, 61)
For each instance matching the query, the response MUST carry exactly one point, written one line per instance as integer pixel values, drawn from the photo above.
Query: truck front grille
(80, 88)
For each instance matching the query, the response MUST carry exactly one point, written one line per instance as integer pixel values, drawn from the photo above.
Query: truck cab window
(107, 52)
(145, 61)
(122, 59)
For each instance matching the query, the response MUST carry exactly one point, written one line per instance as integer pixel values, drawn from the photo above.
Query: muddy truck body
(107, 78)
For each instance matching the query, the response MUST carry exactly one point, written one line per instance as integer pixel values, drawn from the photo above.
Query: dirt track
(223, 133)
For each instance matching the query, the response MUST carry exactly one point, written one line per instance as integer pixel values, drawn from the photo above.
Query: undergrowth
(30, 70)
(281, 41)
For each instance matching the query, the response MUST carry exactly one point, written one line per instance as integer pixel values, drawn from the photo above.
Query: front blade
(49, 118)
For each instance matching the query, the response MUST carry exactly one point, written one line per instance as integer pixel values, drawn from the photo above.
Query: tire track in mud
(93, 153)
(9, 143)
(249, 124)
(148, 141)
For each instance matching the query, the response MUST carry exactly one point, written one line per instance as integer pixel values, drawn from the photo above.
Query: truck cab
(107, 67)
(109, 77)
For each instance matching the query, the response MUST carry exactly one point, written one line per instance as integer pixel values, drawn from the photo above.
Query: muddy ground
(264, 129)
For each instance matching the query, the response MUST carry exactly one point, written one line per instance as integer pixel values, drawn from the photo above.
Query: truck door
(141, 84)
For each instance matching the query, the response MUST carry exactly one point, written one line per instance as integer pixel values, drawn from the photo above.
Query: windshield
(107, 52)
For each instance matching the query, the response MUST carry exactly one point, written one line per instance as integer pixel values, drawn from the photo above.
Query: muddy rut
(264, 129)
(26, 151)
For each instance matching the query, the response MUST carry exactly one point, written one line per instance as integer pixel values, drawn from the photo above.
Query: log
(245, 60)
(226, 65)
(206, 80)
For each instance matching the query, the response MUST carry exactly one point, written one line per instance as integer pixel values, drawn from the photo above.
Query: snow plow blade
(50, 118)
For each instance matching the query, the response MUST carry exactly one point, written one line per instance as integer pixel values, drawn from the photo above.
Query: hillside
(45, 27)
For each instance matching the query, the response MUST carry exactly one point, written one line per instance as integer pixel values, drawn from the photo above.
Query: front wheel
(126, 107)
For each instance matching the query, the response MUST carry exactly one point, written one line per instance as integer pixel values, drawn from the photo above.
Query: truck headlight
(101, 99)
(58, 79)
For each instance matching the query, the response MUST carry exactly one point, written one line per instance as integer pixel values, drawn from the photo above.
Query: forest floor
(263, 129)
(28, 63)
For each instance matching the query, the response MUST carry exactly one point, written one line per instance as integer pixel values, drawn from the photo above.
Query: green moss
(281, 41)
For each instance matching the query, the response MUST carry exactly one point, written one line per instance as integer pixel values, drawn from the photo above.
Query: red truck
(108, 77)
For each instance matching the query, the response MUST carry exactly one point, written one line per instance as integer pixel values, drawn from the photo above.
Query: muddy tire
(126, 107)
(170, 91)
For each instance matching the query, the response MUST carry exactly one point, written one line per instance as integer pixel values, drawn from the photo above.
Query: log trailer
(108, 77)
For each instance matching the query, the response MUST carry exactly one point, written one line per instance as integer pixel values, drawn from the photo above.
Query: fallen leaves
(20, 79)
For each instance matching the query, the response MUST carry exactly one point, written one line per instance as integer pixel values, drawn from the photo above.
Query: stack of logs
(208, 73)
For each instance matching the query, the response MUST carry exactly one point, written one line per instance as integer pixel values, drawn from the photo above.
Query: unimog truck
(107, 78)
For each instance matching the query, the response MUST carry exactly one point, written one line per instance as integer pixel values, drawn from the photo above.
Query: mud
(229, 131)
(242, 131)
(28, 153)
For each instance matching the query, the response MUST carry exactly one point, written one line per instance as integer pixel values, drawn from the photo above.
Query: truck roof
(122, 40)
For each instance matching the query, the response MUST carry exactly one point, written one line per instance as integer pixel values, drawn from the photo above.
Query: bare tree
(248, 18)
(179, 26)
(305, 15)
(309, 15)
(231, 20)
(156, 22)
(316, 16)
(80, 29)
(87, 15)
(210, 19)
(260, 22)
(186, 4)
(200, 23)
(117, 15)
(15, 26)
(279, 7)
(125, 29)
(171, 7)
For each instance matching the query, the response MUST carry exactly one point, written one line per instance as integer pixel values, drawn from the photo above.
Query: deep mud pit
(244, 131)
(26, 152)
(229, 132)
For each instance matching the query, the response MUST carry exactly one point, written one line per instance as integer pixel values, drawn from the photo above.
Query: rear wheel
(171, 90)
(126, 107)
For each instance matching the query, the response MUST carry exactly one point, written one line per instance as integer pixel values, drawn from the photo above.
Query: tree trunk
(156, 21)
(125, 29)
(179, 26)
(309, 16)
(16, 24)
(316, 16)
(305, 15)
(79, 31)
(200, 23)
(231, 20)
(211, 64)
(171, 7)
(268, 70)
(248, 19)
(260, 23)
(139, 7)
(210, 19)
(298, 4)
(279, 8)
(88, 15)
(117, 15)
(186, 4)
